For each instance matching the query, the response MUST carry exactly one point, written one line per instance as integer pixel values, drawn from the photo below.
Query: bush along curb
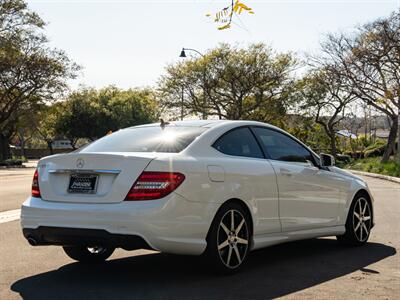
(374, 175)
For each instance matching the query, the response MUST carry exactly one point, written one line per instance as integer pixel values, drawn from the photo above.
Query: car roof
(187, 123)
(205, 123)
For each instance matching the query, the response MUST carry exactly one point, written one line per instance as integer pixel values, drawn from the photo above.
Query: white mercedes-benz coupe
(214, 188)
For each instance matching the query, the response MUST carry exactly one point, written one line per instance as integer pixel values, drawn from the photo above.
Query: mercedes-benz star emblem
(80, 163)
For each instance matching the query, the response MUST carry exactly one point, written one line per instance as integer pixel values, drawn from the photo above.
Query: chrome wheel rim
(96, 249)
(232, 238)
(361, 219)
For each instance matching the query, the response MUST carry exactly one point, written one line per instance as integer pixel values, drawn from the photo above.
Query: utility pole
(182, 103)
(183, 55)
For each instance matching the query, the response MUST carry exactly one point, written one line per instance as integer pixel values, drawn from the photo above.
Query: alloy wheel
(362, 219)
(232, 238)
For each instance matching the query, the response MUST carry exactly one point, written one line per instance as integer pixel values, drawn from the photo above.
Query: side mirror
(327, 160)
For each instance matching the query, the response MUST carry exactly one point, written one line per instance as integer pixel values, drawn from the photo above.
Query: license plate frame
(83, 183)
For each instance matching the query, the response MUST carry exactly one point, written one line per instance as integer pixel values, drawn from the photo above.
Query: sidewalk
(31, 163)
(26, 170)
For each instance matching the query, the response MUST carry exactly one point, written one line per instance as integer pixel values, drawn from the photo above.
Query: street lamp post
(183, 52)
(182, 102)
(183, 55)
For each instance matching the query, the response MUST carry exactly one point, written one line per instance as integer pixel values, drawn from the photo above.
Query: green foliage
(13, 161)
(90, 113)
(370, 58)
(374, 165)
(324, 96)
(31, 73)
(45, 121)
(343, 159)
(312, 134)
(377, 143)
(230, 82)
(375, 149)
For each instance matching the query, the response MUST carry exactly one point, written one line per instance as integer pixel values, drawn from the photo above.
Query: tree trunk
(5, 152)
(391, 140)
(333, 144)
(398, 136)
(73, 143)
(23, 148)
(22, 143)
(50, 146)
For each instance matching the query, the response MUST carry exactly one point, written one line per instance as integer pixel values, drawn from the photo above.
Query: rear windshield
(146, 139)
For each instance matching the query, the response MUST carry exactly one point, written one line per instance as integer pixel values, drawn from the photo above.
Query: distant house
(382, 134)
(346, 133)
(62, 144)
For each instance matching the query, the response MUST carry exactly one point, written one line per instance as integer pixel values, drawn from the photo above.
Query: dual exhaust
(32, 241)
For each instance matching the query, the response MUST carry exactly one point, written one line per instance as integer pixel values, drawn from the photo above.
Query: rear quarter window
(239, 142)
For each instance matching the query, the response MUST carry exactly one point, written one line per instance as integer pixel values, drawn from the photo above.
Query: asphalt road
(15, 187)
(318, 268)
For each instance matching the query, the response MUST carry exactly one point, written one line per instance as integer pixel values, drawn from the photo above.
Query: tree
(230, 83)
(91, 114)
(31, 73)
(325, 96)
(45, 125)
(369, 60)
(26, 129)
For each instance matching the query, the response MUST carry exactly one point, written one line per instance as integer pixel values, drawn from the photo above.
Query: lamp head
(183, 53)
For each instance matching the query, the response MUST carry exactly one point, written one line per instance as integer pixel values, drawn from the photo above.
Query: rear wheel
(92, 254)
(228, 241)
(359, 222)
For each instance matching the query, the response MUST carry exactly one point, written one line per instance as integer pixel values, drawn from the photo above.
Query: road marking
(10, 215)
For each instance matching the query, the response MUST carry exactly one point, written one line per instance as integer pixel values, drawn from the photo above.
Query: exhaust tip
(32, 241)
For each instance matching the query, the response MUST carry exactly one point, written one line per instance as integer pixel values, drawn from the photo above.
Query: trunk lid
(111, 176)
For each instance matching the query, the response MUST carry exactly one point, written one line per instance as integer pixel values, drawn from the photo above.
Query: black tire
(228, 245)
(358, 223)
(92, 255)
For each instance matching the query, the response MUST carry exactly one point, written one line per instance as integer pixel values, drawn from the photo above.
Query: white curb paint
(10, 215)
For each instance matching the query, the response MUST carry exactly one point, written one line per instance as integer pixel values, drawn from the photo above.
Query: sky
(128, 43)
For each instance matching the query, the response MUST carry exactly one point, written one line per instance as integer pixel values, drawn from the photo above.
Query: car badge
(80, 163)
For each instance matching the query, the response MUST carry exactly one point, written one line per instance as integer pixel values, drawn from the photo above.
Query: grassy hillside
(373, 165)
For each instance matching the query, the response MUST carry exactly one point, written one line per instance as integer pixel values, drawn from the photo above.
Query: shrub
(14, 161)
(373, 165)
(342, 158)
(376, 149)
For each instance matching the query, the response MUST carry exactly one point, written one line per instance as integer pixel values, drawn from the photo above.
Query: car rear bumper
(171, 224)
(45, 235)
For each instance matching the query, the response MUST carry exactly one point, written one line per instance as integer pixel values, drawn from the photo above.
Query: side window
(239, 142)
(281, 147)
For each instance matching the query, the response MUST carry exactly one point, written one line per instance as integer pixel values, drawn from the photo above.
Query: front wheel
(93, 254)
(228, 241)
(358, 223)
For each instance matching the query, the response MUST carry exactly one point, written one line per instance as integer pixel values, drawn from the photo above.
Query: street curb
(374, 175)
(13, 167)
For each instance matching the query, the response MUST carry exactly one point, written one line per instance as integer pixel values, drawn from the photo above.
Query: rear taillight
(154, 185)
(35, 185)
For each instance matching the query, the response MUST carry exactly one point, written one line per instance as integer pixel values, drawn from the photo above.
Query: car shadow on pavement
(269, 273)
